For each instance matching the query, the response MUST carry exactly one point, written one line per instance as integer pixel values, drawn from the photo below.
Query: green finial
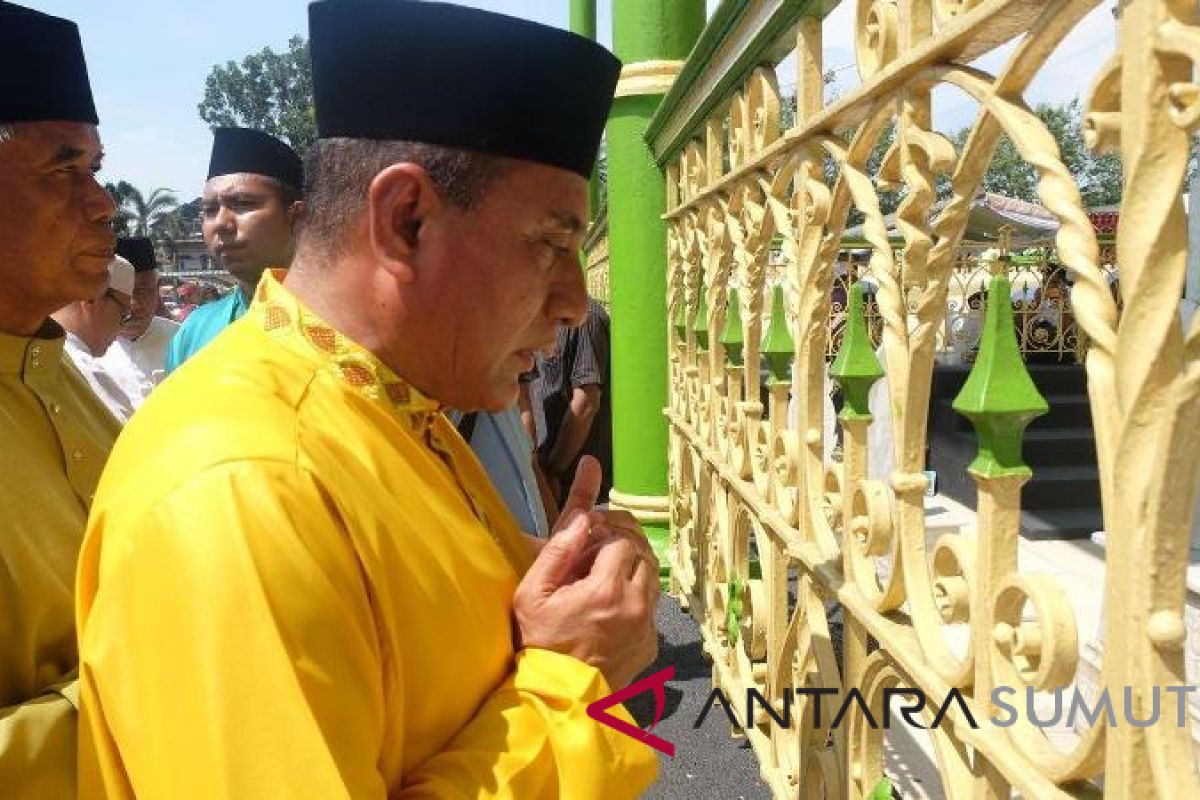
(732, 337)
(856, 368)
(733, 612)
(700, 323)
(999, 397)
(777, 345)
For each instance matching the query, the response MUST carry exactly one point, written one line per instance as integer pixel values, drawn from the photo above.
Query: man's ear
(294, 211)
(399, 200)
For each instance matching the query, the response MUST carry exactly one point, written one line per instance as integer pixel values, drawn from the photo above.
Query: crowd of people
(177, 299)
(341, 531)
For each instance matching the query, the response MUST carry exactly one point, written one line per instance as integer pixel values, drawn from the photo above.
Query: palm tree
(145, 212)
(139, 215)
(178, 223)
(120, 192)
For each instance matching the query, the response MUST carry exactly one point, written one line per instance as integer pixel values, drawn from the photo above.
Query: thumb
(554, 564)
(584, 489)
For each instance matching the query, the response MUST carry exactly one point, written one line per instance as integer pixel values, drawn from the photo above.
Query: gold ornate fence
(595, 259)
(768, 537)
(1043, 313)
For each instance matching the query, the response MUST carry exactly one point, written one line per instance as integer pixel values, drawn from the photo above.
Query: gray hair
(7, 132)
(339, 170)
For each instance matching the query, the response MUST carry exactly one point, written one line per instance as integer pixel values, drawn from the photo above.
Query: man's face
(143, 304)
(54, 216)
(507, 275)
(107, 312)
(246, 226)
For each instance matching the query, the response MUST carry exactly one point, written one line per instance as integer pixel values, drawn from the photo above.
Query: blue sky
(148, 60)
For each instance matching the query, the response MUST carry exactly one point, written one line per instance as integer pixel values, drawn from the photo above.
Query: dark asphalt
(708, 762)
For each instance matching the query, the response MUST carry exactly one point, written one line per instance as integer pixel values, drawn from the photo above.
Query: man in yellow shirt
(297, 580)
(55, 248)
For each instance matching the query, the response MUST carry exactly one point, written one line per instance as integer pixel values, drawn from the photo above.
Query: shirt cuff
(547, 672)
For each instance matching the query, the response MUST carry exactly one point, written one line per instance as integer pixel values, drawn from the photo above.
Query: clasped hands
(593, 590)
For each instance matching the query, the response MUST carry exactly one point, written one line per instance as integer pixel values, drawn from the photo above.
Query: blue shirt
(504, 448)
(203, 325)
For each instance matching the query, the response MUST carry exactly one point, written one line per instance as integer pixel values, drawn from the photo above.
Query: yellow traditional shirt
(54, 437)
(297, 582)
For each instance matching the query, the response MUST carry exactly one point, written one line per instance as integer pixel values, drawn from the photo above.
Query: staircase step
(1066, 411)
(1058, 379)
(1060, 447)
(1061, 523)
(1062, 501)
(1062, 487)
(1049, 379)
(1052, 447)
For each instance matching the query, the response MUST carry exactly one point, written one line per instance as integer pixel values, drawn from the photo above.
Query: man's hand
(582, 500)
(593, 591)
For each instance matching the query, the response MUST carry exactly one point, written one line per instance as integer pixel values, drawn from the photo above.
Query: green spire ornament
(999, 397)
(731, 337)
(777, 345)
(700, 323)
(856, 368)
(733, 612)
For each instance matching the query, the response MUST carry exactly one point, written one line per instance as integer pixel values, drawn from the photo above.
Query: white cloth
(120, 276)
(106, 387)
(139, 365)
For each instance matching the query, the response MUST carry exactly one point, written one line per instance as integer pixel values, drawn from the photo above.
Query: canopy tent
(1031, 225)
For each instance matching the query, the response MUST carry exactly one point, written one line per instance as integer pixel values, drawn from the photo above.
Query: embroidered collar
(281, 314)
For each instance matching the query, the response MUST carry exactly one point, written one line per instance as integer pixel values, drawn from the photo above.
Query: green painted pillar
(652, 38)
(583, 18)
(583, 22)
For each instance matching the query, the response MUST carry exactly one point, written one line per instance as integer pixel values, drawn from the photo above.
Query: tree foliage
(139, 214)
(1098, 177)
(187, 216)
(269, 91)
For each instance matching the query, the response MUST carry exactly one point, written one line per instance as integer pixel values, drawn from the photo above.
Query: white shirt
(105, 385)
(139, 365)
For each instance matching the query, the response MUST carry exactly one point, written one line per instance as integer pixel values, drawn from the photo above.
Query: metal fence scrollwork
(779, 550)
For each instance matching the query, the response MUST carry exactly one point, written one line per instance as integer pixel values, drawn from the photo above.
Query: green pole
(583, 18)
(583, 22)
(652, 38)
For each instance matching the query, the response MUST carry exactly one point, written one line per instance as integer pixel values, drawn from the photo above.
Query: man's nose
(226, 219)
(569, 301)
(98, 204)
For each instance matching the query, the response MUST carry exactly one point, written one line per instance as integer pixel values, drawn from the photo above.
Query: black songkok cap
(43, 76)
(139, 251)
(246, 150)
(446, 75)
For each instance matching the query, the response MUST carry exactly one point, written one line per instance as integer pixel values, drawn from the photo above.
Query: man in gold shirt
(55, 248)
(297, 580)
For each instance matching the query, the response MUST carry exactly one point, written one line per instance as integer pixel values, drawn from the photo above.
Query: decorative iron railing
(595, 259)
(769, 537)
(1043, 313)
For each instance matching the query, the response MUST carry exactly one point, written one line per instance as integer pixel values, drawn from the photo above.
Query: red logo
(657, 683)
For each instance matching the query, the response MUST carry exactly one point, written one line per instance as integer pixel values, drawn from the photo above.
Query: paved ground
(708, 762)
